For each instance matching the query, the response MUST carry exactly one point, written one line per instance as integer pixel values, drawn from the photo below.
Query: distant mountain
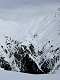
(39, 54)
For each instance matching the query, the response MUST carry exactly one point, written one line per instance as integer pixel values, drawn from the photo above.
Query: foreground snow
(4, 75)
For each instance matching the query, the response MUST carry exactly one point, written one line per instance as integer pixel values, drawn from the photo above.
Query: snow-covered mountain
(39, 53)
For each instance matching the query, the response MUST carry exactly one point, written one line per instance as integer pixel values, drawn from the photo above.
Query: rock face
(4, 64)
(16, 56)
(47, 66)
(29, 66)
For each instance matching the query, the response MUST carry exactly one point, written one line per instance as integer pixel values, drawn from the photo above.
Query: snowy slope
(4, 75)
(41, 48)
(50, 31)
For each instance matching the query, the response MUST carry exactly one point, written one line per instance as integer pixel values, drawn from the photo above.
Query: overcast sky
(19, 3)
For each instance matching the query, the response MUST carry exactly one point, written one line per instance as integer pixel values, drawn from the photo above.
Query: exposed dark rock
(17, 56)
(5, 51)
(4, 64)
(22, 60)
(40, 52)
(47, 66)
(31, 47)
(29, 66)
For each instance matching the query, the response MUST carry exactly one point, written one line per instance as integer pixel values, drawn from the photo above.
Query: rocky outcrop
(4, 64)
(23, 58)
